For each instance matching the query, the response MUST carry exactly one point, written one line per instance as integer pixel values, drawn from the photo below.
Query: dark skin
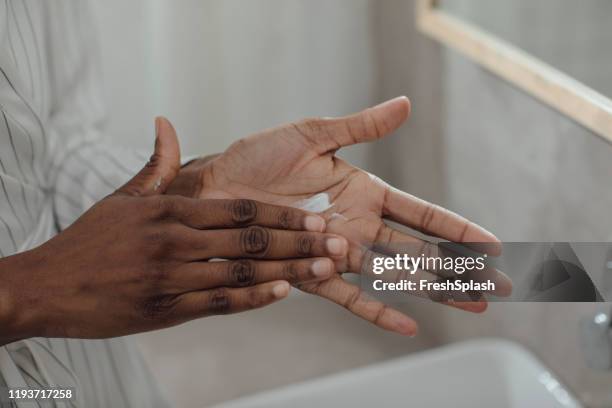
(139, 260)
(145, 266)
(295, 161)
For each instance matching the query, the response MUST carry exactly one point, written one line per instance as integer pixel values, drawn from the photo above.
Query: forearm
(18, 310)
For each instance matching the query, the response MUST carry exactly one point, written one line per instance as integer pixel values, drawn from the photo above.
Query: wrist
(18, 308)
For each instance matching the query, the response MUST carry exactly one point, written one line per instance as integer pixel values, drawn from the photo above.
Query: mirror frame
(539, 79)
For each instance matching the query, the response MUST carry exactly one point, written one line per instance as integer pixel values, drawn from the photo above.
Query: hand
(138, 260)
(295, 161)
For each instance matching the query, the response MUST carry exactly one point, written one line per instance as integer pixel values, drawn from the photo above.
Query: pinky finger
(221, 301)
(353, 299)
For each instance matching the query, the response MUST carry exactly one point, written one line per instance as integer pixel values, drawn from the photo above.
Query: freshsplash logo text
(430, 273)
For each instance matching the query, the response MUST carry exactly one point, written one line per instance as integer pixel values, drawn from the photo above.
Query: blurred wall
(567, 34)
(410, 64)
(222, 69)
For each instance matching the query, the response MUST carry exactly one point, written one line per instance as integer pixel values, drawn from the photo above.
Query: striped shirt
(53, 166)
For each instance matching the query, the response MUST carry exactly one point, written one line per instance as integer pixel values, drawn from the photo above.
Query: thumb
(162, 167)
(373, 123)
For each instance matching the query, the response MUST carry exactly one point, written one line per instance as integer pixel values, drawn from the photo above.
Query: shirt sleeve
(85, 166)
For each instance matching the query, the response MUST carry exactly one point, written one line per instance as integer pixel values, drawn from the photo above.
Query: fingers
(327, 135)
(258, 242)
(353, 299)
(474, 302)
(391, 241)
(209, 214)
(246, 272)
(503, 283)
(220, 301)
(436, 221)
(163, 166)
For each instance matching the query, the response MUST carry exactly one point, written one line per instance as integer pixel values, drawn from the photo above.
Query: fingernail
(281, 290)
(314, 223)
(321, 267)
(337, 246)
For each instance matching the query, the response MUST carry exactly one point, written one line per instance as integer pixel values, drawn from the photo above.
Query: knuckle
(242, 273)
(312, 125)
(156, 239)
(243, 211)
(158, 236)
(153, 161)
(352, 299)
(255, 240)
(155, 273)
(160, 243)
(367, 267)
(286, 218)
(219, 302)
(254, 299)
(310, 128)
(314, 288)
(379, 313)
(372, 125)
(428, 216)
(238, 145)
(291, 271)
(160, 207)
(159, 307)
(184, 208)
(304, 244)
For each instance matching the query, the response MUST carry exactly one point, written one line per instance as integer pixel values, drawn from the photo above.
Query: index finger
(352, 298)
(436, 221)
(213, 214)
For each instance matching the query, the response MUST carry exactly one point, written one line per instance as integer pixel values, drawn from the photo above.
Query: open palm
(296, 161)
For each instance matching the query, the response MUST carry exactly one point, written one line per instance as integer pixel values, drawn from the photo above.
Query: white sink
(479, 373)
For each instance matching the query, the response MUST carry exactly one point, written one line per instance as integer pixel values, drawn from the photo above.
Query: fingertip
(400, 107)
(408, 330)
(475, 307)
(281, 289)
(322, 268)
(398, 322)
(406, 105)
(163, 127)
(161, 119)
(490, 242)
(337, 246)
(411, 332)
(494, 244)
(504, 286)
(483, 241)
(314, 223)
(166, 140)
